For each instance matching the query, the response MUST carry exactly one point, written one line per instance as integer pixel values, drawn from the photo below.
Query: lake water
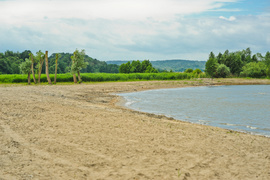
(243, 108)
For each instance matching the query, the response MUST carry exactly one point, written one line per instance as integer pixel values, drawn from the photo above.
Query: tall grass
(102, 77)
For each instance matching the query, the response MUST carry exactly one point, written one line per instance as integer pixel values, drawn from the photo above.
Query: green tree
(78, 63)
(25, 68)
(223, 71)
(267, 59)
(25, 54)
(40, 56)
(136, 67)
(235, 63)
(4, 67)
(145, 65)
(254, 70)
(247, 55)
(189, 70)
(211, 66)
(125, 68)
(254, 58)
(267, 63)
(212, 55)
(219, 58)
(197, 71)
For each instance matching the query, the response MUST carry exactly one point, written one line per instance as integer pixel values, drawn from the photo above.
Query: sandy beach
(82, 132)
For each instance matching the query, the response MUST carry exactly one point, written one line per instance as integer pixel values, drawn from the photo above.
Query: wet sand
(81, 132)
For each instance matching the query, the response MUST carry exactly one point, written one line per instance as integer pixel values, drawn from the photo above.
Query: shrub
(189, 70)
(197, 71)
(254, 70)
(223, 71)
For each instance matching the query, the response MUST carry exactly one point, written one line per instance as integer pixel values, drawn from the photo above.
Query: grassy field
(102, 77)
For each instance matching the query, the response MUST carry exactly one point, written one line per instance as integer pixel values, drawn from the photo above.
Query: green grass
(102, 77)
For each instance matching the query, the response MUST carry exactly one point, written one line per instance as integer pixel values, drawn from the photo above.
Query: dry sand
(78, 132)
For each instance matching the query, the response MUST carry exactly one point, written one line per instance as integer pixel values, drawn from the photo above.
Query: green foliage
(78, 61)
(10, 62)
(239, 63)
(223, 71)
(267, 59)
(40, 56)
(211, 66)
(267, 63)
(25, 67)
(103, 77)
(254, 70)
(189, 70)
(170, 65)
(137, 67)
(93, 65)
(197, 71)
(4, 67)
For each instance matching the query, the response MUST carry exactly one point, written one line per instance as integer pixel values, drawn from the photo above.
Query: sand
(82, 132)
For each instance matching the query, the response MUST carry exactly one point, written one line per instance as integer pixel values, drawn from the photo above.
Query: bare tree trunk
(29, 78)
(55, 69)
(79, 77)
(32, 67)
(41, 61)
(47, 68)
(74, 78)
(74, 75)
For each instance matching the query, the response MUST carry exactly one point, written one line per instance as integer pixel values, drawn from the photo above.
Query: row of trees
(34, 64)
(240, 63)
(137, 67)
(10, 62)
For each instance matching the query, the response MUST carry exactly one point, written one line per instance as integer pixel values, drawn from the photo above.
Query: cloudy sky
(135, 29)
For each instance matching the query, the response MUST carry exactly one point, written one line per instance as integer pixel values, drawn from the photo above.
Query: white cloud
(128, 29)
(231, 18)
(17, 11)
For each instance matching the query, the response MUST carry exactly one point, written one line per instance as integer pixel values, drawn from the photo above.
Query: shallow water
(243, 108)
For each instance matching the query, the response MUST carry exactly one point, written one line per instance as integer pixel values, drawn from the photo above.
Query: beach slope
(81, 132)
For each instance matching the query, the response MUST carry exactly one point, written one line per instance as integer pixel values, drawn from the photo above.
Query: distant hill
(174, 65)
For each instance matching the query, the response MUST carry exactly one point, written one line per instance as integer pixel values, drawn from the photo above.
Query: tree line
(240, 63)
(10, 63)
(137, 67)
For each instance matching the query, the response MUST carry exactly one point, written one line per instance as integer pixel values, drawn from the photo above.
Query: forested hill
(174, 65)
(93, 65)
(10, 62)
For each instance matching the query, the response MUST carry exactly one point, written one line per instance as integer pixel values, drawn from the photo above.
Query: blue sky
(141, 29)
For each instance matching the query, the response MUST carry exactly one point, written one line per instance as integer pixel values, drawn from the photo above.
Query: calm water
(242, 108)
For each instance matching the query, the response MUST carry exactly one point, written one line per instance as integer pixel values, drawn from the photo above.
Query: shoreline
(80, 132)
(122, 102)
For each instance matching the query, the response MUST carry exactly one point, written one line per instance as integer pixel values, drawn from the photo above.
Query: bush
(197, 71)
(223, 71)
(254, 70)
(189, 70)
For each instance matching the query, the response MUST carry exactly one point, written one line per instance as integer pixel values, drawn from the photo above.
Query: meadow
(102, 77)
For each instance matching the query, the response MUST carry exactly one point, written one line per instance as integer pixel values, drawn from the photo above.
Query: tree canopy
(10, 63)
(137, 67)
(239, 63)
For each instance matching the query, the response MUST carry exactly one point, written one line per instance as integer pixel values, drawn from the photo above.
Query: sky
(135, 29)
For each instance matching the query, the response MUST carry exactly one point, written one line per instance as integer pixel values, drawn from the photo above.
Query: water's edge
(123, 102)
